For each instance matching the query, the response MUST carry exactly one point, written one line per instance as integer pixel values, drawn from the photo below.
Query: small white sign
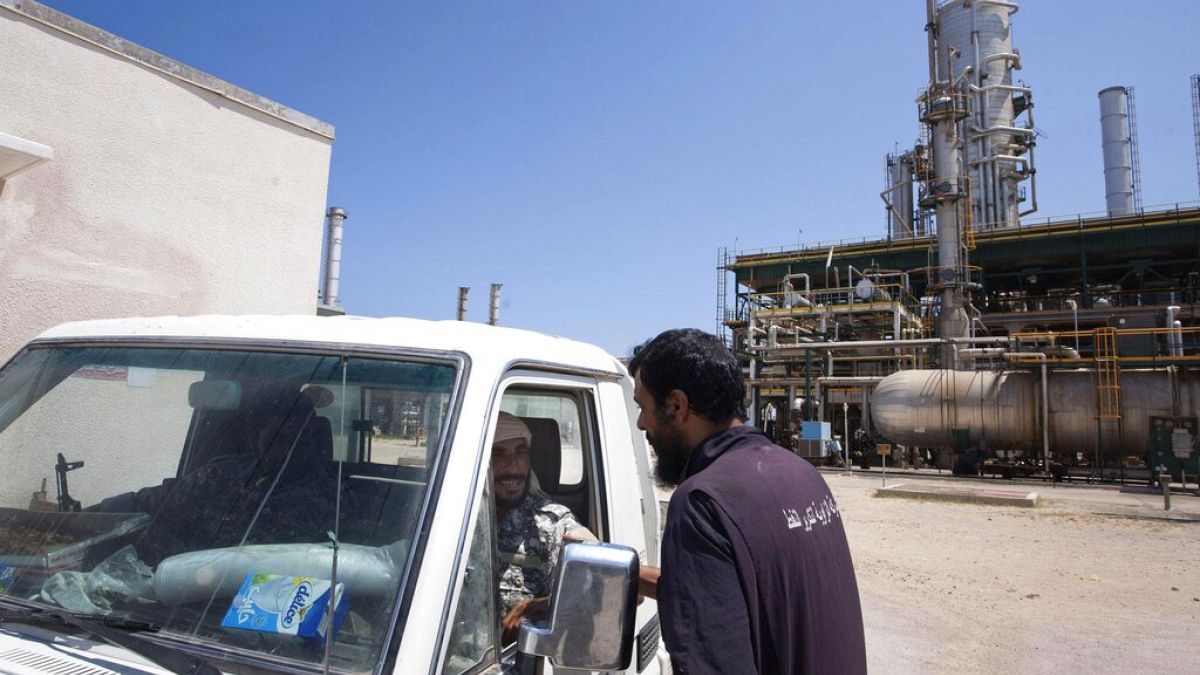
(1182, 443)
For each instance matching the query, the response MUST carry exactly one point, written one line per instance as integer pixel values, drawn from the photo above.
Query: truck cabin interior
(283, 432)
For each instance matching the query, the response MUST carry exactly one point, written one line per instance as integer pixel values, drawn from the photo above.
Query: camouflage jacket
(530, 538)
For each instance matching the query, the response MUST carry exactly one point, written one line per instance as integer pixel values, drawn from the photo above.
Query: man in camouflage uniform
(221, 501)
(530, 528)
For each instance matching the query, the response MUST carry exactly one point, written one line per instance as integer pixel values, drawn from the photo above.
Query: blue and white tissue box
(286, 605)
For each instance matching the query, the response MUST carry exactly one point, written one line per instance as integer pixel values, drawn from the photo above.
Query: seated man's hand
(533, 609)
(648, 582)
(579, 534)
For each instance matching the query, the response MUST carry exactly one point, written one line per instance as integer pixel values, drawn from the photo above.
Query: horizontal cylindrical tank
(1114, 137)
(1003, 408)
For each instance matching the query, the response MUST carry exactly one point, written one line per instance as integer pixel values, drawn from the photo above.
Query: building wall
(170, 192)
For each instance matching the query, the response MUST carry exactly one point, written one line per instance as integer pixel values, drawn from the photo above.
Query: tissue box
(286, 605)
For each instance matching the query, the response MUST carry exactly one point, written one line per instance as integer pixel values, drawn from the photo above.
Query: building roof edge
(163, 64)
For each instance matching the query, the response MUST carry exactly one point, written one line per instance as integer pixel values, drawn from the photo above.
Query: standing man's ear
(677, 406)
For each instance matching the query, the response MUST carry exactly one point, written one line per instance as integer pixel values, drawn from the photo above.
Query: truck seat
(545, 455)
(216, 433)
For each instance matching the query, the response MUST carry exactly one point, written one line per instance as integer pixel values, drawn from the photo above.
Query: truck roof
(479, 341)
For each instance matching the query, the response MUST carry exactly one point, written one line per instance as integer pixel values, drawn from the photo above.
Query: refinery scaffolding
(822, 325)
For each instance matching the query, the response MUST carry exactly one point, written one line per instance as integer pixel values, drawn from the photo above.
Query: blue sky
(593, 156)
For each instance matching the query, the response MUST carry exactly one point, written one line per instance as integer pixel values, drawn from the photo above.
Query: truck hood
(36, 651)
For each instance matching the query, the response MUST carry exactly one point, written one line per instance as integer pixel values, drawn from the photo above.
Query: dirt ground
(1090, 581)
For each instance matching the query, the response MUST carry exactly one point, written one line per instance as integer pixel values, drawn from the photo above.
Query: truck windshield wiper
(114, 630)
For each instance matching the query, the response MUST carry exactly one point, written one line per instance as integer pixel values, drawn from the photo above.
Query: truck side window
(473, 637)
(561, 447)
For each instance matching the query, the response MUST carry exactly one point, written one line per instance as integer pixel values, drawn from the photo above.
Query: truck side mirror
(592, 610)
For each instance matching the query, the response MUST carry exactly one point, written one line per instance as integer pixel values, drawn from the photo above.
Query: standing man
(769, 420)
(756, 571)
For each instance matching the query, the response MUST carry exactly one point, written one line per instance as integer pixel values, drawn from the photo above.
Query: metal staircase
(722, 258)
(1108, 375)
(1135, 154)
(1108, 396)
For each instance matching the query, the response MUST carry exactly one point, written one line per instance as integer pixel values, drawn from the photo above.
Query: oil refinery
(973, 334)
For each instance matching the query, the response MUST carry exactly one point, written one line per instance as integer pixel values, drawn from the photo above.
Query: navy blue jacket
(756, 571)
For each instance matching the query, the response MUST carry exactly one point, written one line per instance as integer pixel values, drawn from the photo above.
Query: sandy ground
(406, 451)
(1091, 581)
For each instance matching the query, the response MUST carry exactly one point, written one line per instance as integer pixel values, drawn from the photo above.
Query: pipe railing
(883, 344)
(1166, 345)
(1082, 219)
(895, 298)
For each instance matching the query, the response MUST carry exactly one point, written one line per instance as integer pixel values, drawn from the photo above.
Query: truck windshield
(203, 490)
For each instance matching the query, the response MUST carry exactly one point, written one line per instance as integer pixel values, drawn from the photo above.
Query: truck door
(572, 466)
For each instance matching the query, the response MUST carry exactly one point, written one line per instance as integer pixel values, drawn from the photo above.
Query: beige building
(132, 184)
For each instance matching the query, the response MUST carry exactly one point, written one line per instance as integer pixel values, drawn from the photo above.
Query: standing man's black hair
(699, 365)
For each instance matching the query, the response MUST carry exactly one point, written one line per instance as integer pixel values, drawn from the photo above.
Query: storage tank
(924, 407)
(994, 192)
(1115, 137)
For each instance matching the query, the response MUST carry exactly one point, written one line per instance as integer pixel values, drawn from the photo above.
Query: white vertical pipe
(494, 305)
(1170, 323)
(754, 393)
(336, 217)
(1045, 417)
(896, 327)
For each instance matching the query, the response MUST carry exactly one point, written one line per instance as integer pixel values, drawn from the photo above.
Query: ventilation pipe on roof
(336, 218)
(494, 306)
(462, 302)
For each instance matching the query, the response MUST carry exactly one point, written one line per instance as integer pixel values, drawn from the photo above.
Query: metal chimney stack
(943, 105)
(494, 306)
(1115, 137)
(462, 302)
(336, 219)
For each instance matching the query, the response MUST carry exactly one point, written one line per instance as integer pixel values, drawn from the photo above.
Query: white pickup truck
(177, 493)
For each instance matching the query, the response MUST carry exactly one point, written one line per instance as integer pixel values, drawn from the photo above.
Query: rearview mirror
(214, 395)
(592, 610)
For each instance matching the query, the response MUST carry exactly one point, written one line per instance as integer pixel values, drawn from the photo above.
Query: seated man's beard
(509, 503)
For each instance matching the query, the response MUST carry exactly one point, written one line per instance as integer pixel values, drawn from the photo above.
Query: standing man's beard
(670, 456)
(669, 466)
